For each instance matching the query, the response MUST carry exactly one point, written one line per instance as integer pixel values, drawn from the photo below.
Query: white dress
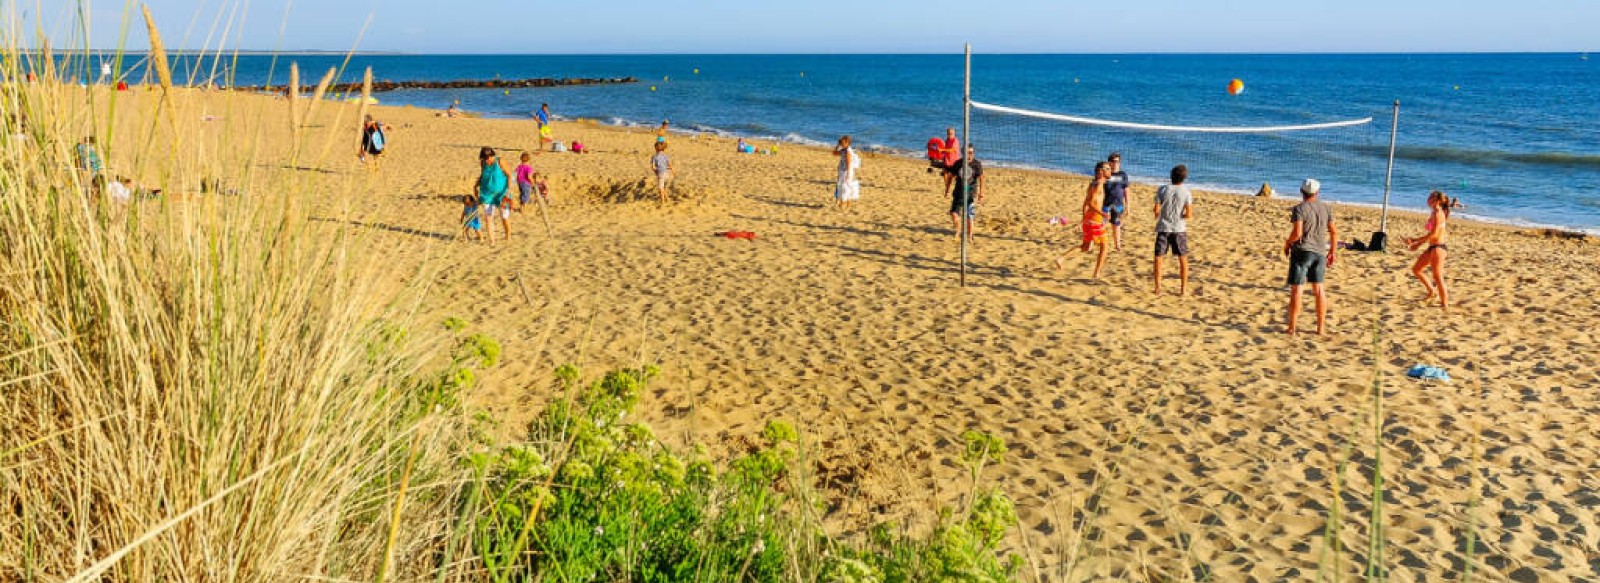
(849, 187)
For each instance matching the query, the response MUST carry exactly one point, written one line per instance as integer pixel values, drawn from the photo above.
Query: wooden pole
(965, 177)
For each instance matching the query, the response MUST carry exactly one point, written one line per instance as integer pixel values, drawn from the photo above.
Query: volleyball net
(1228, 158)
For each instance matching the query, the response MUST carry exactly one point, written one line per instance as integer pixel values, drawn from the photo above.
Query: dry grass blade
(98, 569)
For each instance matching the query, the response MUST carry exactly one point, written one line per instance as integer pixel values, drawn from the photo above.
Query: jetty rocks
(382, 86)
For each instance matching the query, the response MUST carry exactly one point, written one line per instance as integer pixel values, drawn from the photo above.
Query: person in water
(1433, 257)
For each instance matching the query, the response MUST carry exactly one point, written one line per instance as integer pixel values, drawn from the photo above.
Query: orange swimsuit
(1094, 226)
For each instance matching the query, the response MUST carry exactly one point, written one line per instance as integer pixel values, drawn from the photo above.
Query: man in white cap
(1310, 249)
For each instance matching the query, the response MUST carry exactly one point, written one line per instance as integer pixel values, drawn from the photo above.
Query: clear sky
(837, 26)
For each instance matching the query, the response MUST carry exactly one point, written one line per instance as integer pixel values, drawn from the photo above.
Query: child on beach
(848, 189)
(662, 166)
(1173, 209)
(1094, 220)
(525, 181)
(471, 225)
(1433, 257)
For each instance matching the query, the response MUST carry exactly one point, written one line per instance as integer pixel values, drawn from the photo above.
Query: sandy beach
(1148, 435)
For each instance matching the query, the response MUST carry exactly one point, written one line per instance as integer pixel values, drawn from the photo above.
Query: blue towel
(1425, 372)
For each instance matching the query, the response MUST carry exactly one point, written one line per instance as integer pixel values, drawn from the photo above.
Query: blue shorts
(1306, 267)
(1113, 214)
(527, 192)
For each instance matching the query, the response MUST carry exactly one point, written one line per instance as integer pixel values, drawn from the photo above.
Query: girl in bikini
(1434, 255)
(1094, 219)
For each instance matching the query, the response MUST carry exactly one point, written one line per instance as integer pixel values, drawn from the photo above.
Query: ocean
(1515, 136)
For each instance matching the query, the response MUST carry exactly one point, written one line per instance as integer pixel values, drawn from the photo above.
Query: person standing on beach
(1117, 202)
(848, 188)
(493, 182)
(662, 166)
(525, 182)
(968, 191)
(1173, 208)
(1094, 219)
(542, 117)
(373, 140)
(1310, 251)
(949, 153)
(1433, 257)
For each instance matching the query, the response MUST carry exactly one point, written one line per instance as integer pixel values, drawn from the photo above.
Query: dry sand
(1152, 438)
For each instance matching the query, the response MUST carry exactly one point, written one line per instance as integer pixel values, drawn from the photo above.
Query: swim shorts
(1178, 243)
(1306, 267)
(1114, 214)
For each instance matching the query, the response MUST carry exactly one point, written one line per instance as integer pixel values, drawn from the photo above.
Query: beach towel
(1426, 372)
(747, 235)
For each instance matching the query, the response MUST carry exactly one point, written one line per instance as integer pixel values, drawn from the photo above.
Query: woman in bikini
(1434, 255)
(1094, 219)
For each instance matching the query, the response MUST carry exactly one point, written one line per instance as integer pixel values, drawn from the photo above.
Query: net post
(1380, 238)
(963, 174)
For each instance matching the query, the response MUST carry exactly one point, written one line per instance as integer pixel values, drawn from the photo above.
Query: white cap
(1310, 187)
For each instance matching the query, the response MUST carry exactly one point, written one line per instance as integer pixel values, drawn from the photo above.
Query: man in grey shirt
(1174, 206)
(1310, 251)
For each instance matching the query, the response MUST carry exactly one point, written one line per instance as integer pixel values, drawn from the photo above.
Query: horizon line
(385, 53)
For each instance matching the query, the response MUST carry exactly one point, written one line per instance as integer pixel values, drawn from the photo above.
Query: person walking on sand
(373, 140)
(1094, 220)
(661, 132)
(1310, 251)
(661, 165)
(968, 191)
(848, 189)
(493, 182)
(1174, 206)
(1117, 201)
(1433, 257)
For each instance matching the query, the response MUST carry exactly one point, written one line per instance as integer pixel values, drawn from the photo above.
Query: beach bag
(377, 140)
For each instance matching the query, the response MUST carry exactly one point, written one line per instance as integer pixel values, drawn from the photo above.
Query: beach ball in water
(1235, 87)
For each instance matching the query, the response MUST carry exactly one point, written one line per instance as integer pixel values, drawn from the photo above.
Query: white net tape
(1154, 127)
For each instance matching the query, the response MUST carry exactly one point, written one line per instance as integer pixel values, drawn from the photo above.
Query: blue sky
(839, 26)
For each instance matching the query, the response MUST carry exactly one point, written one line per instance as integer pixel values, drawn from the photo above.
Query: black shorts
(955, 207)
(1306, 267)
(1177, 242)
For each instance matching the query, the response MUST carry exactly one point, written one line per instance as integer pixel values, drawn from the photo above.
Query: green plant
(590, 496)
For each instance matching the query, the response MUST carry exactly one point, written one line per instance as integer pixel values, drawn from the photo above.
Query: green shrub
(590, 496)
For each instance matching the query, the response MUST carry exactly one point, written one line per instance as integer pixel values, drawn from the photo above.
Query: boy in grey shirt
(1174, 206)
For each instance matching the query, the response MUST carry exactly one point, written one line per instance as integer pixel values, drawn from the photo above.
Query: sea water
(1514, 135)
